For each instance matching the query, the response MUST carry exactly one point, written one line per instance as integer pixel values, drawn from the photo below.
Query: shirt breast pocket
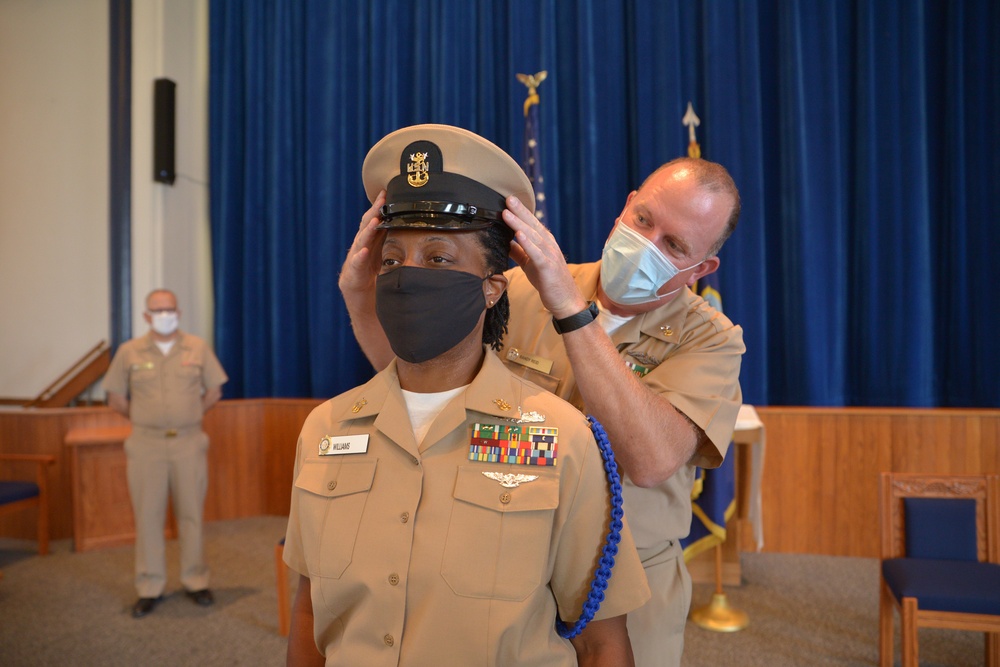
(499, 538)
(143, 374)
(331, 497)
(189, 376)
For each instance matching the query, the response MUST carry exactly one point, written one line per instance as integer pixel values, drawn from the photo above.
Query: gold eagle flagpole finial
(532, 81)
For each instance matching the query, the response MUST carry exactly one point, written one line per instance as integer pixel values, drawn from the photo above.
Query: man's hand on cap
(361, 267)
(535, 250)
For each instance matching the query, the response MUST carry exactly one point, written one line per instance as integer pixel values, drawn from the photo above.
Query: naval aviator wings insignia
(510, 480)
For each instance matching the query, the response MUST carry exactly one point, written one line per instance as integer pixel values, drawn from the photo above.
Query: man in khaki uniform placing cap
(447, 511)
(625, 340)
(164, 382)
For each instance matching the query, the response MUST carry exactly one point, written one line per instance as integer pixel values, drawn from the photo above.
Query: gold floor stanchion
(718, 615)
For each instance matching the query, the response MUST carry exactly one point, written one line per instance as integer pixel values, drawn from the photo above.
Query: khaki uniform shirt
(164, 391)
(415, 557)
(686, 351)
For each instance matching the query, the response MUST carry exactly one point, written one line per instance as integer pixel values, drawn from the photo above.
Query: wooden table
(102, 509)
(745, 530)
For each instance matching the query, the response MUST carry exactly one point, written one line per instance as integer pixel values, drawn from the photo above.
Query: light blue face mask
(633, 269)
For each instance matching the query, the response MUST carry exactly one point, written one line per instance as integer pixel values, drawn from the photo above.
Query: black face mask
(426, 312)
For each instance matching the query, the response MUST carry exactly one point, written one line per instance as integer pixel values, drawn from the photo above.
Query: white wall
(53, 188)
(170, 223)
(54, 117)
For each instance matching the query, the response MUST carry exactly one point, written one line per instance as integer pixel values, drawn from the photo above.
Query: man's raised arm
(651, 438)
(357, 285)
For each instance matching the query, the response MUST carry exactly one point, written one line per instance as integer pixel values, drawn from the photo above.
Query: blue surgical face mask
(633, 269)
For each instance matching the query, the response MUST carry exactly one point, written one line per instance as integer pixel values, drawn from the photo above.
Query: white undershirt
(609, 321)
(424, 408)
(164, 347)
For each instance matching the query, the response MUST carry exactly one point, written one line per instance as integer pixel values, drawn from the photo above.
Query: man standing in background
(164, 382)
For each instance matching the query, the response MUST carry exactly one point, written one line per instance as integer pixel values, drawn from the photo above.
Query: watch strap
(574, 322)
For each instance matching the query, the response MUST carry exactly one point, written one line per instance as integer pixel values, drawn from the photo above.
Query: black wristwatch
(574, 322)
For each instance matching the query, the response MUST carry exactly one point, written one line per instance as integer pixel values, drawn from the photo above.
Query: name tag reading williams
(334, 445)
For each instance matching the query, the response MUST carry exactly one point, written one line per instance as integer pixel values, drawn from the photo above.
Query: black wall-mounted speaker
(164, 91)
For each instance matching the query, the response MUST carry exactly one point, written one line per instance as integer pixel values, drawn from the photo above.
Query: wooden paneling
(251, 456)
(819, 490)
(42, 431)
(235, 460)
(820, 486)
(283, 420)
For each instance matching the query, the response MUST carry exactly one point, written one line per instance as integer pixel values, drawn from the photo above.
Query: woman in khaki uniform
(448, 511)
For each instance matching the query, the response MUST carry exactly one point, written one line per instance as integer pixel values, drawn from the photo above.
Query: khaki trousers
(159, 466)
(657, 628)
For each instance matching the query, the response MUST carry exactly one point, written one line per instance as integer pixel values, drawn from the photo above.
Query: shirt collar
(150, 342)
(490, 391)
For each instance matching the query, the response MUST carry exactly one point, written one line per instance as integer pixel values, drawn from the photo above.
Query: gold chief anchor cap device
(442, 177)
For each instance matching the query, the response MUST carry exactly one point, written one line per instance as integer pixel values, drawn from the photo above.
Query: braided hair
(495, 240)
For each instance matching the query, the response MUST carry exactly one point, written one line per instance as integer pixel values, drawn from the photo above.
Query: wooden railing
(84, 372)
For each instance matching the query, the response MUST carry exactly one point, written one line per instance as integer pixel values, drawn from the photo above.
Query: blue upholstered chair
(940, 559)
(18, 494)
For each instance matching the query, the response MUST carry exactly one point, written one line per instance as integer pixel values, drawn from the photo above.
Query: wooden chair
(940, 553)
(17, 495)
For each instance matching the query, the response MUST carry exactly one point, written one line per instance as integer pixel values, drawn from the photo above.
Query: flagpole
(532, 150)
(717, 615)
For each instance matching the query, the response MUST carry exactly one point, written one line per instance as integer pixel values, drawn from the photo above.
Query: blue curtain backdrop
(862, 135)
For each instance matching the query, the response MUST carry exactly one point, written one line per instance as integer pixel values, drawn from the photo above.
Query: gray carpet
(812, 610)
(73, 609)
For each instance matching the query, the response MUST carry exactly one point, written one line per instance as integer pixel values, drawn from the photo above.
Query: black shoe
(203, 597)
(145, 606)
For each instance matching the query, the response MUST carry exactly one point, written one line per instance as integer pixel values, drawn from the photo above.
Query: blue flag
(713, 499)
(532, 150)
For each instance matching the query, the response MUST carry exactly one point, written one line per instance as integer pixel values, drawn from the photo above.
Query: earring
(490, 303)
